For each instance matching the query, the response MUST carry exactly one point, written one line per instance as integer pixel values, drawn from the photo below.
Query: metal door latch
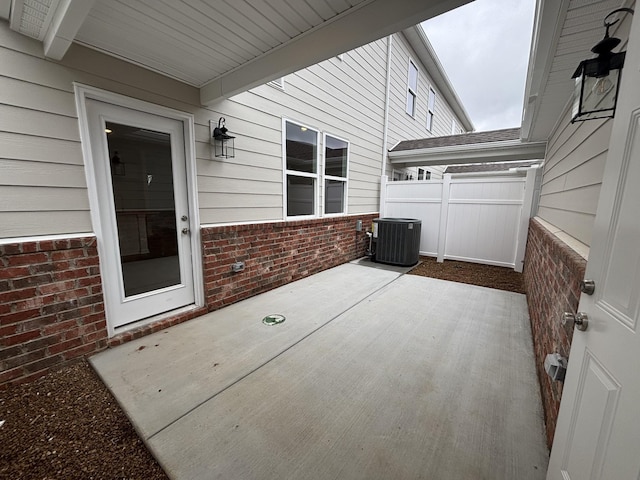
(580, 319)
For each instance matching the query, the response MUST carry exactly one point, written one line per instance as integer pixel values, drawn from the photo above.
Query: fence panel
(478, 219)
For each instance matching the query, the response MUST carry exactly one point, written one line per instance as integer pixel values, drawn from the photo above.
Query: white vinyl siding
(41, 155)
(574, 166)
(401, 125)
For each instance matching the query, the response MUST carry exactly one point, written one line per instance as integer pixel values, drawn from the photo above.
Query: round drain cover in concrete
(273, 319)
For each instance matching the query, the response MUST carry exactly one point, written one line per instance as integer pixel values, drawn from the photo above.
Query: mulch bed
(68, 426)
(501, 278)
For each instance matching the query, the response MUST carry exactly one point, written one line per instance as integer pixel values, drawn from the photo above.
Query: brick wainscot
(51, 306)
(51, 303)
(552, 275)
(276, 253)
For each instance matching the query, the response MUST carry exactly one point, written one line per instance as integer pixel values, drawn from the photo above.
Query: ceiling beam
(67, 20)
(358, 26)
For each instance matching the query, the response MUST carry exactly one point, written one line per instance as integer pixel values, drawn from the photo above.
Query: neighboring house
(117, 217)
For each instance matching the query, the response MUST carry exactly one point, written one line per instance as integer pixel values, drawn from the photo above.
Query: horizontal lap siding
(573, 171)
(41, 158)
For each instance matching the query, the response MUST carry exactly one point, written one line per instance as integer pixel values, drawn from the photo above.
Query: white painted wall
(43, 188)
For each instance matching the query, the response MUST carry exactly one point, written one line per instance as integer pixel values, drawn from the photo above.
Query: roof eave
(474, 153)
(549, 19)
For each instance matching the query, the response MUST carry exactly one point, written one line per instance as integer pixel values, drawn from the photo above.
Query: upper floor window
(431, 107)
(336, 166)
(412, 89)
(301, 169)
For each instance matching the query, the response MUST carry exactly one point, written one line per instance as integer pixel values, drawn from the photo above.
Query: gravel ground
(67, 425)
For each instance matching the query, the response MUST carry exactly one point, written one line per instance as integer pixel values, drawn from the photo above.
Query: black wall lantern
(222, 141)
(598, 79)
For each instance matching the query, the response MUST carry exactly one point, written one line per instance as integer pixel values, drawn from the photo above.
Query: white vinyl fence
(480, 218)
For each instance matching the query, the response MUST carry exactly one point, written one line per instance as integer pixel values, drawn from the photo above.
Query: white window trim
(410, 90)
(332, 177)
(285, 172)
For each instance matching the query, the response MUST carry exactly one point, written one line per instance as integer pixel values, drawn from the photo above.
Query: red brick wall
(276, 254)
(552, 275)
(51, 306)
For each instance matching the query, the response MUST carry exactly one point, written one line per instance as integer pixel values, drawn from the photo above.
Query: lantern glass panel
(597, 96)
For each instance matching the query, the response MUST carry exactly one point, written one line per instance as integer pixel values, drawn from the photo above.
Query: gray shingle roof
(462, 139)
(488, 167)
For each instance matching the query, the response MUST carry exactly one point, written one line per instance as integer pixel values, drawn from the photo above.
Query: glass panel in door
(143, 194)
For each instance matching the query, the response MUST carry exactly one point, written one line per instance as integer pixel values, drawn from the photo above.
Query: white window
(336, 168)
(424, 174)
(412, 89)
(431, 108)
(301, 169)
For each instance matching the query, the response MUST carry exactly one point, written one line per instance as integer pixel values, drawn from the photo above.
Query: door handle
(580, 319)
(185, 230)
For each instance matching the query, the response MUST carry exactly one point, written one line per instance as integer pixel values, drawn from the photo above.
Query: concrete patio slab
(421, 378)
(161, 377)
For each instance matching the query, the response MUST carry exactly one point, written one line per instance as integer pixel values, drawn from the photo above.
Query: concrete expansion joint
(274, 357)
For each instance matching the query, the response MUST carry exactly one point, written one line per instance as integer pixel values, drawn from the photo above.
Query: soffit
(222, 47)
(564, 34)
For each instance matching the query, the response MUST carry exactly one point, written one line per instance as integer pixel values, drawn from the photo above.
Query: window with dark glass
(412, 89)
(336, 166)
(301, 166)
(431, 107)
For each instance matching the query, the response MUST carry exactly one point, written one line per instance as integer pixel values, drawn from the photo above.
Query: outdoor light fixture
(222, 141)
(598, 79)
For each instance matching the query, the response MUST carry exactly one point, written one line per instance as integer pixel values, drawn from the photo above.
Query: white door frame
(84, 92)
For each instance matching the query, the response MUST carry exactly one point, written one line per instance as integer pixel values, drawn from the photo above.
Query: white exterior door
(598, 430)
(144, 229)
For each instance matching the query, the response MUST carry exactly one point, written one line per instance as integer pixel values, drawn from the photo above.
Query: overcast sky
(484, 48)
